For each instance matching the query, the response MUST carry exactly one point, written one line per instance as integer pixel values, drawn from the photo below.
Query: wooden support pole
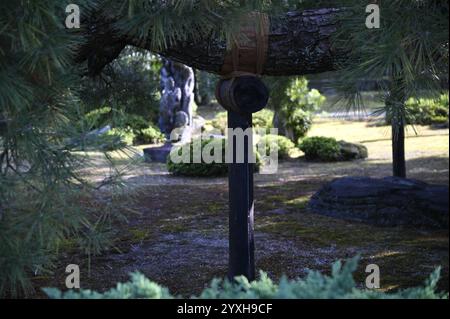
(241, 97)
(240, 180)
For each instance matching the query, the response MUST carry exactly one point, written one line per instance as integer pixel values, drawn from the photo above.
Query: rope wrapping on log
(248, 54)
(241, 89)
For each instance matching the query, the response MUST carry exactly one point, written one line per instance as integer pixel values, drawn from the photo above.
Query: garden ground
(177, 228)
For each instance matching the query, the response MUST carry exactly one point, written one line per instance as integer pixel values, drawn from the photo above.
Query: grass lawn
(421, 141)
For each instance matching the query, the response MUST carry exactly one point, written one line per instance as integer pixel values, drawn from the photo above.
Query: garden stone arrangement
(388, 201)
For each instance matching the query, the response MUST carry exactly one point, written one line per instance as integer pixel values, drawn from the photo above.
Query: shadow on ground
(180, 236)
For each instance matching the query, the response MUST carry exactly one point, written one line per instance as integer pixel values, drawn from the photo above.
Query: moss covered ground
(176, 231)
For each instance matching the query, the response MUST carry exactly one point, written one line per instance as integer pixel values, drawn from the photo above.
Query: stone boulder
(351, 151)
(384, 202)
(158, 154)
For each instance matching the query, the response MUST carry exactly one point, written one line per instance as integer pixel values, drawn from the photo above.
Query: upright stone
(176, 108)
(177, 97)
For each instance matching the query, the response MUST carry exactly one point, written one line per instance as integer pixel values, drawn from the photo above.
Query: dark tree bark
(299, 43)
(398, 150)
(396, 103)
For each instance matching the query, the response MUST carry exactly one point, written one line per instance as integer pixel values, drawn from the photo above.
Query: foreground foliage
(340, 285)
(44, 201)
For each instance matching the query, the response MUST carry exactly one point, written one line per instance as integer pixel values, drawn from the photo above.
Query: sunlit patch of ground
(421, 141)
(179, 237)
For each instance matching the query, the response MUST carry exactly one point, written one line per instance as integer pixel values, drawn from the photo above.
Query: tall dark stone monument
(176, 108)
(177, 96)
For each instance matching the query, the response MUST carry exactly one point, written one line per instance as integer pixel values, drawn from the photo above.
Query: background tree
(129, 84)
(205, 84)
(407, 57)
(294, 105)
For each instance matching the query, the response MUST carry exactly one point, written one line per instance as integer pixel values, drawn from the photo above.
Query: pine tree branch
(299, 43)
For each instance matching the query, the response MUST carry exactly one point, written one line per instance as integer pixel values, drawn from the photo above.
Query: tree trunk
(299, 43)
(396, 105)
(398, 149)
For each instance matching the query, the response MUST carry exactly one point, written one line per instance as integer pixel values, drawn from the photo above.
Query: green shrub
(327, 149)
(261, 119)
(130, 129)
(428, 111)
(133, 121)
(282, 143)
(220, 122)
(340, 285)
(206, 85)
(320, 148)
(126, 136)
(203, 169)
(199, 169)
(149, 135)
(301, 97)
(300, 122)
(296, 105)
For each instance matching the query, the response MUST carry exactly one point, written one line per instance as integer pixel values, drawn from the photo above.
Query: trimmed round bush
(202, 169)
(199, 169)
(319, 148)
(282, 143)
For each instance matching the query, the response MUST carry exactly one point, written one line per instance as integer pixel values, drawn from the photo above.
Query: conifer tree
(40, 181)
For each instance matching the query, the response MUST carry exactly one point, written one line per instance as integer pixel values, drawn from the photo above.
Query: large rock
(351, 151)
(385, 202)
(158, 154)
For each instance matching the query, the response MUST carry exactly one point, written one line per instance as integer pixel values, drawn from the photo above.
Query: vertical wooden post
(241, 96)
(240, 181)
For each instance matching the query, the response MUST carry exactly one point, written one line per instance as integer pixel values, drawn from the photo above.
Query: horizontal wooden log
(299, 43)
